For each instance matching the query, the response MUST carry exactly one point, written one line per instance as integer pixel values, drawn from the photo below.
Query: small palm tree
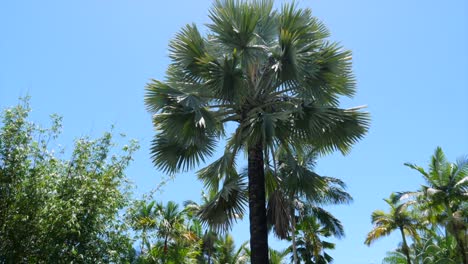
(297, 189)
(311, 232)
(272, 74)
(208, 236)
(142, 218)
(170, 225)
(444, 196)
(397, 219)
(277, 257)
(226, 252)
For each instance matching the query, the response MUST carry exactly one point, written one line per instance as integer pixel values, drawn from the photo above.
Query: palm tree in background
(444, 197)
(298, 191)
(171, 225)
(226, 252)
(432, 249)
(143, 218)
(207, 210)
(397, 219)
(277, 257)
(314, 226)
(272, 74)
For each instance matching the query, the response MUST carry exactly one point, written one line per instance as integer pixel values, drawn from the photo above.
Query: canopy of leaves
(54, 208)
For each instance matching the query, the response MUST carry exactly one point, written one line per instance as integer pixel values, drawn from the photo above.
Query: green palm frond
(329, 222)
(172, 156)
(187, 50)
(394, 257)
(218, 170)
(333, 192)
(234, 23)
(376, 233)
(328, 128)
(277, 257)
(226, 206)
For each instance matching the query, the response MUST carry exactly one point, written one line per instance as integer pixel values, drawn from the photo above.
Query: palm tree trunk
(257, 210)
(455, 232)
(293, 235)
(461, 246)
(405, 246)
(143, 237)
(165, 250)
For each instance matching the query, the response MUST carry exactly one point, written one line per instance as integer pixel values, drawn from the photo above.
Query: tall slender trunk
(165, 250)
(293, 234)
(461, 246)
(405, 246)
(143, 239)
(257, 209)
(455, 232)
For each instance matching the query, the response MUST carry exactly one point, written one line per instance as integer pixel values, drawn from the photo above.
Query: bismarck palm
(271, 73)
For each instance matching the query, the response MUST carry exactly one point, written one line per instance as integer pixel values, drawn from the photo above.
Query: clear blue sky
(89, 61)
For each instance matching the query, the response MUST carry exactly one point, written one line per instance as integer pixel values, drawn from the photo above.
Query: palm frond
(329, 222)
(171, 155)
(218, 170)
(279, 213)
(226, 206)
(329, 128)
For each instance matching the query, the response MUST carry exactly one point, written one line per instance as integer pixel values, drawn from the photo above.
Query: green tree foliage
(274, 75)
(444, 197)
(177, 236)
(440, 208)
(398, 219)
(277, 257)
(311, 232)
(60, 210)
(296, 194)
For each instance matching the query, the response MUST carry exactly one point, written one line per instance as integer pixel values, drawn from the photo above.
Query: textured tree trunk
(257, 210)
(405, 246)
(454, 231)
(293, 234)
(461, 246)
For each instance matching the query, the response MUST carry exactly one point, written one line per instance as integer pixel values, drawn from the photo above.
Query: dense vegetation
(55, 209)
(434, 217)
(80, 210)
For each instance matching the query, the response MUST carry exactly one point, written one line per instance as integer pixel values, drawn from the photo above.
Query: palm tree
(315, 225)
(297, 188)
(397, 219)
(277, 257)
(143, 218)
(444, 196)
(226, 252)
(272, 73)
(171, 225)
(208, 237)
(432, 249)
(395, 257)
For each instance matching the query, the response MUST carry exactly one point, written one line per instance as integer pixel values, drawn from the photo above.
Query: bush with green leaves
(57, 210)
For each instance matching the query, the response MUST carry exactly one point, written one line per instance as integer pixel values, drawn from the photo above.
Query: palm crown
(397, 219)
(273, 73)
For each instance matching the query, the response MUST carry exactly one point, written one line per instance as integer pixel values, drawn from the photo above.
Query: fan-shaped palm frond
(225, 206)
